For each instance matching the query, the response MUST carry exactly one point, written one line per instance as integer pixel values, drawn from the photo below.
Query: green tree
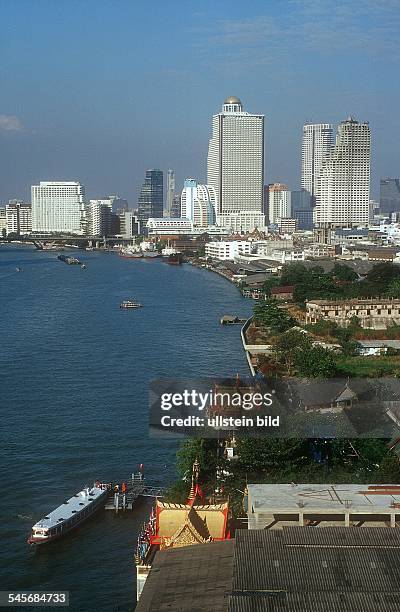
(204, 450)
(258, 455)
(315, 362)
(287, 345)
(382, 274)
(393, 290)
(343, 272)
(389, 469)
(268, 314)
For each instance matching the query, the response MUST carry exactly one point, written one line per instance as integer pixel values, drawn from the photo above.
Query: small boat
(69, 260)
(69, 515)
(83, 266)
(130, 304)
(18, 269)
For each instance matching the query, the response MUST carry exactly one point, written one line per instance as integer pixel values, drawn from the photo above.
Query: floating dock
(124, 497)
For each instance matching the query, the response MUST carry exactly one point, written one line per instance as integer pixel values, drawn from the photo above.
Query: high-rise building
(176, 207)
(316, 145)
(18, 217)
(389, 195)
(128, 224)
(198, 203)
(345, 178)
(119, 204)
(101, 219)
(58, 207)
(235, 166)
(170, 191)
(279, 202)
(150, 202)
(301, 208)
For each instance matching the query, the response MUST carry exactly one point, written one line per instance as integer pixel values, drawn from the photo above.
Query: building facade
(170, 191)
(101, 220)
(227, 250)
(235, 166)
(198, 203)
(279, 202)
(344, 198)
(389, 195)
(151, 196)
(374, 313)
(129, 225)
(58, 207)
(18, 218)
(317, 143)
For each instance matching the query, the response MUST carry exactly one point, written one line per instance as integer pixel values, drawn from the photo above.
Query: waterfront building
(227, 250)
(235, 167)
(172, 525)
(101, 220)
(275, 506)
(389, 195)
(279, 202)
(129, 225)
(58, 207)
(18, 217)
(166, 226)
(3, 221)
(170, 191)
(317, 143)
(297, 569)
(374, 313)
(150, 202)
(344, 195)
(198, 203)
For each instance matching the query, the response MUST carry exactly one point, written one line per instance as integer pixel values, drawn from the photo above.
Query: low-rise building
(227, 250)
(375, 313)
(282, 293)
(168, 225)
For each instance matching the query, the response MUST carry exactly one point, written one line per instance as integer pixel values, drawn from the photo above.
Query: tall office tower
(102, 221)
(198, 203)
(389, 195)
(235, 166)
(279, 202)
(119, 205)
(316, 145)
(301, 208)
(176, 207)
(58, 207)
(345, 178)
(170, 191)
(150, 203)
(19, 217)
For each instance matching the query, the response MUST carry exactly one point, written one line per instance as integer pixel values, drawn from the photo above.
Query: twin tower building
(335, 173)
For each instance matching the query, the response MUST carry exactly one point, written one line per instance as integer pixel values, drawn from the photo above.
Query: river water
(74, 373)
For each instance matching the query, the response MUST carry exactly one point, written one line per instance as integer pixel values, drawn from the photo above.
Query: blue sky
(100, 90)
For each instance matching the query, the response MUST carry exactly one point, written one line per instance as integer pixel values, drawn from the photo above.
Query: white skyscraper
(235, 166)
(279, 202)
(316, 145)
(170, 191)
(58, 206)
(198, 203)
(345, 178)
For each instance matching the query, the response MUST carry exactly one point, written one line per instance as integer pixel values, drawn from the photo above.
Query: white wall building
(98, 212)
(129, 224)
(198, 203)
(168, 226)
(58, 207)
(279, 202)
(317, 143)
(345, 178)
(235, 166)
(227, 250)
(18, 218)
(3, 221)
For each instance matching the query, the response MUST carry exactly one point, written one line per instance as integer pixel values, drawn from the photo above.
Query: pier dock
(124, 497)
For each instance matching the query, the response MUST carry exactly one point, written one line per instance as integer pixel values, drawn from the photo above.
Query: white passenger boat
(69, 515)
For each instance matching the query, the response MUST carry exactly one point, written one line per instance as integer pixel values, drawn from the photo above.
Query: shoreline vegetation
(309, 351)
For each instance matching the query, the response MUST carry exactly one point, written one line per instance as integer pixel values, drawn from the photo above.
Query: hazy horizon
(99, 91)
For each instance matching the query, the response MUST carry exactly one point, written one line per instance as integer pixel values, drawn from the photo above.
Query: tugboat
(69, 260)
(69, 515)
(130, 304)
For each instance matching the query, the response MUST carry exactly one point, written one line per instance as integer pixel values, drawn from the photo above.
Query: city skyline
(91, 123)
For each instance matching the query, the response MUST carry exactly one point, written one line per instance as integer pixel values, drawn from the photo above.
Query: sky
(100, 90)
